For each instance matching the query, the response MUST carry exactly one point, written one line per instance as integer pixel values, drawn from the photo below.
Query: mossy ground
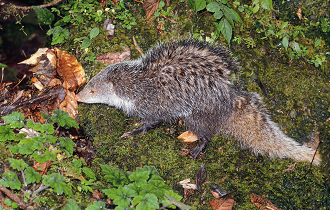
(298, 101)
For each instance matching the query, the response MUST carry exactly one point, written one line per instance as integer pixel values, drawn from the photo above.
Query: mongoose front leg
(148, 125)
(201, 145)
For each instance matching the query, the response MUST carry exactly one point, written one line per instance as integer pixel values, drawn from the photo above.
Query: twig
(15, 198)
(2, 75)
(41, 188)
(139, 1)
(27, 8)
(20, 81)
(138, 48)
(23, 176)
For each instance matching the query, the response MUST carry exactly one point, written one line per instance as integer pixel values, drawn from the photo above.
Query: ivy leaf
(148, 202)
(218, 15)
(6, 133)
(153, 173)
(67, 144)
(120, 196)
(20, 137)
(89, 173)
(226, 29)
(59, 34)
(32, 176)
(266, 4)
(72, 205)
(17, 164)
(56, 181)
(118, 178)
(63, 119)
(94, 32)
(86, 43)
(213, 7)
(44, 15)
(318, 42)
(141, 176)
(10, 179)
(15, 119)
(136, 187)
(96, 205)
(200, 5)
(285, 42)
(25, 149)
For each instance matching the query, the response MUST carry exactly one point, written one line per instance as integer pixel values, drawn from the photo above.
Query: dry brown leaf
(188, 188)
(188, 136)
(222, 204)
(262, 203)
(150, 7)
(69, 104)
(69, 70)
(115, 57)
(299, 13)
(41, 168)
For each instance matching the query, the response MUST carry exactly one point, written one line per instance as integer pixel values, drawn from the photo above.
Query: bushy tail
(254, 129)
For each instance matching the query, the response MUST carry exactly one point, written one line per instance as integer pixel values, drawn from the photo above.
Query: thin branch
(15, 198)
(27, 8)
(41, 188)
(138, 48)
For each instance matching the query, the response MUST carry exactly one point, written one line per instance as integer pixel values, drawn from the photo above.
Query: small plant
(143, 189)
(29, 142)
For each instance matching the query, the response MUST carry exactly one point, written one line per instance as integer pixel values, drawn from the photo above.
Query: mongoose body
(190, 80)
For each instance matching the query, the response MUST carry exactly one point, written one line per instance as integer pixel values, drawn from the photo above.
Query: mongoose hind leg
(148, 125)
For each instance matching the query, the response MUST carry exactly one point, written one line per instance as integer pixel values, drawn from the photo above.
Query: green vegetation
(288, 53)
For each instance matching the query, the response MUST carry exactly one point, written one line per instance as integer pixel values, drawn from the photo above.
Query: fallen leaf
(299, 13)
(188, 136)
(222, 204)
(217, 192)
(69, 104)
(188, 188)
(69, 70)
(262, 203)
(41, 168)
(150, 7)
(114, 57)
(201, 177)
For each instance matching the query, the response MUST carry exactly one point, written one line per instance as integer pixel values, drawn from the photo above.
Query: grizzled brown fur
(189, 79)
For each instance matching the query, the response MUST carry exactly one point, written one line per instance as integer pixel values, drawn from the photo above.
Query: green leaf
(96, 205)
(285, 42)
(153, 173)
(44, 15)
(51, 139)
(120, 196)
(48, 155)
(17, 164)
(72, 205)
(37, 127)
(148, 202)
(218, 15)
(56, 181)
(226, 29)
(67, 144)
(29, 123)
(25, 149)
(3, 65)
(94, 32)
(49, 128)
(59, 34)
(6, 133)
(256, 8)
(86, 43)
(63, 119)
(192, 4)
(213, 7)
(173, 195)
(118, 178)
(266, 4)
(10, 179)
(15, 119)
(179, 204)
(161, 4)
(46, 116)
(141, 176)
(14, 149)
(136, 187)
(200, 5)
(318, 42)
(37, 145)
(150, 189)
(89, 173)
(20, 137)
(32, 176)
(160, 185)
